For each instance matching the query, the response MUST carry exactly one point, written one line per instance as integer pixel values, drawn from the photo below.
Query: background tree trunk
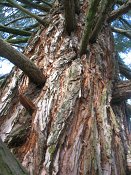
(73, 129)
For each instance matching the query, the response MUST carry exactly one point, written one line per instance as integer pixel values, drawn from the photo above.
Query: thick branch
(14, 31)
(89, 25)
(129, 108)
(28, 12)
(120, 11)
(21, 61)
(17, 19)
(3, 76)
(32, 26)
(105, 7)
(8, 163)
(122, 91)
(126, 33)
(17, 41)
(120, 2)
(35, 6)
(77, 6)
(5, 4)
(124, 70)
(70, 22)
(125, 22)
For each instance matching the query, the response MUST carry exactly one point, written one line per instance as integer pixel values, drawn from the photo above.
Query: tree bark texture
(73, 129)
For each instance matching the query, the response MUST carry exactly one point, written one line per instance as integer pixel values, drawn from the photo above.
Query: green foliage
(122, 43)
(14, 18)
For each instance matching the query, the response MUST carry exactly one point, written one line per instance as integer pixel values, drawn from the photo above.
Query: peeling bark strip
(27, 103)
(21, 61)
(122, 91)
(70, 21)
(76, 130)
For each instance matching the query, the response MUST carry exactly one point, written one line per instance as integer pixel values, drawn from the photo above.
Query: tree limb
(17, 40)
(119, 2)
(129, 108)
(105, 6)
(35, 6)
(21, 61)
(14, 31)
(122, 91)
(125, 22)
(70, 22)
(8, 163)
(3, 76)
(77, 6)
(32, 26)
(124, 70)
(120, 11)
(126, 33)
(17, 19)
(43, 22)
(5, 4)
(89, 25)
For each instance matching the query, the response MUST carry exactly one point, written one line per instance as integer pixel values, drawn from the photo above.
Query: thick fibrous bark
(124, 70)
(70, 21)
(126, 33)
(120, 11)
(14, 31)
(122, 91)
(69, 127)
(43, 22)
(9, 165)
(19, 60)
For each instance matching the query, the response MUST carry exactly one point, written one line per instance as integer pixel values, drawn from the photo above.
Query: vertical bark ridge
(74, 128)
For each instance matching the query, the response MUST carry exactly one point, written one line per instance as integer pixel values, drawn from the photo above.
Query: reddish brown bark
(74, 130)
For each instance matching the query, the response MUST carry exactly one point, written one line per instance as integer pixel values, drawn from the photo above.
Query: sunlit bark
(73, 127)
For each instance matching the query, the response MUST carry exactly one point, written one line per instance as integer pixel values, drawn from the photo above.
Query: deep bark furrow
(75, 129)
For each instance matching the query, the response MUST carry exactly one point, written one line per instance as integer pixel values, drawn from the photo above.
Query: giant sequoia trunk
(70, 126)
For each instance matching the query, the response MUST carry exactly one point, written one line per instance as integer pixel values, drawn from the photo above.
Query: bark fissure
(76, 129)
